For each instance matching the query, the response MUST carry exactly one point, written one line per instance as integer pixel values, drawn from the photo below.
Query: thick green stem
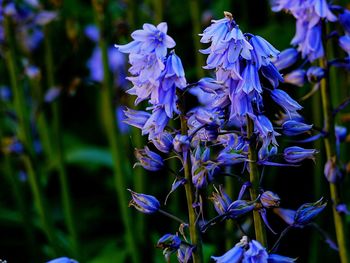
(57, 142)
(329, 142)
(196, 24)
(260, 232)
(195, 234)
(113, 138)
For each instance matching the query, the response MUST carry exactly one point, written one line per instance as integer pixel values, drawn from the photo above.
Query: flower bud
(240, 207)
(285, 101)
(269, 199)
(340, 133)
(184, 253)
(147, 204)
(331, 171)
(286, 58)
(163, 142)
(169, 241)
(308, 211)
(148, 159)
(296, 77)
(287, 215)
(295, 154)
(315, 74)
(292, 127)
(181, 143)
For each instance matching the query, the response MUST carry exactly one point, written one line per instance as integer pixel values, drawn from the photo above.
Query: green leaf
(89, 156)
(110, 253)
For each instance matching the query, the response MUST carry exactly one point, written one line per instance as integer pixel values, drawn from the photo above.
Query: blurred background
(67, 158)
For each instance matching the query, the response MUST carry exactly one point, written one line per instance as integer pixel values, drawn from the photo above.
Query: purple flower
(136, 118)
(344, 19)
(250, 80)
(262, 51)
(147, 204)
(62, 260)
(315, 74)
(220, 200)
(308, 211)
(295, 154)
(169, 243)
(184, 253)
(255, 254)
(285, 101)
(234, 255)
(344, 43)
(163, 142)
(271, 73)
(296, 77)
(149, 160)
(269, 199)
(148, 40)
(181, 143)
(120, 118)
(156, 122)
(286, 58)
(293, 128)
(331, 171)
(239, 207)
(286, 214)
(5, 93)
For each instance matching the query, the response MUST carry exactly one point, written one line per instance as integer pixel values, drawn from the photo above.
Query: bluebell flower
(148, 40)
(315, 74)
(5, 93)
(92, 32)
(341, 208)
(148, 159)
(147, 204)
(228, 157)
(120, 118)
(256, 253)
(45, 17)
(295, 154)
(262, 51)
(287, 215)
(340, 133)
(62, 260)
(181, 143)
(163, 142)
(234, 255)
(265, 129)
(308, 211)
(296, 77)
(184, 253)
(344, 43)
(344, 20)
(271, 73)
(293, 128)
(169, 243)
(250, 80)
(221, 200)
(269, 199)
(240, 207)
(156, 123)
(285, 101)
(331, 171)
(286, 58)
(136, 118)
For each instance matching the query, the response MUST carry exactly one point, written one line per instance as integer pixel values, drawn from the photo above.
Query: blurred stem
(229, 224)
(112, 136)
(158, 13)
(57, 142)
(329, 142)
(196, 24)
(23, 130)
(40, 205)
(190, 191)
(260, 232)
(130, 13)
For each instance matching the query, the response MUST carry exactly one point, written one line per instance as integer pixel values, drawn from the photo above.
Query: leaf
(91, 156)
(110, 253)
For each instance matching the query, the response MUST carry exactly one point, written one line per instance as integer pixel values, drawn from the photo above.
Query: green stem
(158, 14)
(260, 232)
(40, 204)
(189, 188)
(329, 142)
(57, 138)
(229, 224)
(196, 24)
(113, 138)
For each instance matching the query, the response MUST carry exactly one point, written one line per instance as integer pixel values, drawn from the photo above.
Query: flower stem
(59, 155)
(260, 232)
(171, 216)
(189, 188)
(112, 136)
(195, 16)
(329, 142)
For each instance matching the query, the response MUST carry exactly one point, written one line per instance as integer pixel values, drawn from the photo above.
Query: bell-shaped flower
(262, 51)
(148, 159)
(169, 244)
(181, 143)
(286, 58)
(344, 43)
(255, 253)
(344, 19)
(221, 200)
(293, 128)
(315, 74)
(250, 80)
(285, 101)
(184, 253)
(62, 260)
(239, 207)
(136, 118)
(156, 123)
(331, 171)
(234, 255)
(147, 204)
(308, 211)
(271, 73)
(296, 77)
(163, 142)
(269, 199)
(295, 154)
